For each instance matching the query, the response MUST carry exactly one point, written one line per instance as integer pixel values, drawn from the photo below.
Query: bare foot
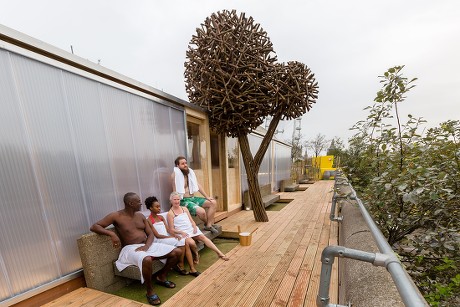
(223, 257)
(196, 257)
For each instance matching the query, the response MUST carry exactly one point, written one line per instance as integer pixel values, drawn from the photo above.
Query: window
(214, 150)
(232, 152)
(194, 154)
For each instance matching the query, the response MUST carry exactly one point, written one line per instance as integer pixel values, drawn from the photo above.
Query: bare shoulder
(139, 215)
(113, 216)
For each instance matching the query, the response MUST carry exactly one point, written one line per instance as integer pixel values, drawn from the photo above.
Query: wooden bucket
(245, 237)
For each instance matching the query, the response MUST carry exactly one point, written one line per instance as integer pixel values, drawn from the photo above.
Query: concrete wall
(361, 283)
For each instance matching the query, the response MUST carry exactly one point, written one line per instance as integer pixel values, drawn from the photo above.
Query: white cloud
(347, 44)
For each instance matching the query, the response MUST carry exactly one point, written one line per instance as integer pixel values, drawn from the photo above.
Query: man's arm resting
(100, 228)
(200, 189)
(150, 237)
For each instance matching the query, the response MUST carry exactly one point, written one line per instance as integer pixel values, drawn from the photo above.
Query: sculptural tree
(231, 72)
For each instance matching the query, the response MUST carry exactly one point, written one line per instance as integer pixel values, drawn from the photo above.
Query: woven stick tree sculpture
(231, 72)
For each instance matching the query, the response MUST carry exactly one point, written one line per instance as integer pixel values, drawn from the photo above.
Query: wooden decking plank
(265, 294)
(274, 242)
(273, 249)
(312, 292)
(281, 297)
(333, 240)
(301, 286)
(89, 297)
(233, 269)
(70, 298)
(297, 295)
(280, 268)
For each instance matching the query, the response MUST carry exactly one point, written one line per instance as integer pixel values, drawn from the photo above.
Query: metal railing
(386, 258)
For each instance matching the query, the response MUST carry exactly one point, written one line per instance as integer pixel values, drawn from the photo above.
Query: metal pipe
(327, 259)
(404, 284)
(406, 288)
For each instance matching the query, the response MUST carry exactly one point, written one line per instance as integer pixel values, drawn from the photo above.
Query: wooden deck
(280, 268)
(90, 297)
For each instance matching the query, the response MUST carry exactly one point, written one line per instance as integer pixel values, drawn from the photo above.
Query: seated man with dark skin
(136, 238)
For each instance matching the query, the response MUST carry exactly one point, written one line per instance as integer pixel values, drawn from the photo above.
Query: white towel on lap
(182, 222)
(180, 184)
(128, 255)
(161, 229)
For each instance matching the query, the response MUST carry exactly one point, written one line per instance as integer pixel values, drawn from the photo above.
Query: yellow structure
(324, 166)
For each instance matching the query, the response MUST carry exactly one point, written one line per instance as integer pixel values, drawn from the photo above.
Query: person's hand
(116, 243)
(142, 248)
(195, 229)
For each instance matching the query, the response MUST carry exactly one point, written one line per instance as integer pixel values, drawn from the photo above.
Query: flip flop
(167, 284)
(153, 299)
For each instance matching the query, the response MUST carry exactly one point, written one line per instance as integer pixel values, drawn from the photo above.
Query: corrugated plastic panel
(167, 147)
(282, 162)
(264, 170)
(70, 148)
(91, 151)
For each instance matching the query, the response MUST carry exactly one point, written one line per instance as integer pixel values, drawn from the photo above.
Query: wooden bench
(288, 185)
(267, 197)
(98, 258)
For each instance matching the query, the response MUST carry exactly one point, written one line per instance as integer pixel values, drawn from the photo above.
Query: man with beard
(185, 183)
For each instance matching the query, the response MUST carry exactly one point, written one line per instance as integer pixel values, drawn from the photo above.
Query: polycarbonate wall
(70, 148)
(265, 173)
(282, 164)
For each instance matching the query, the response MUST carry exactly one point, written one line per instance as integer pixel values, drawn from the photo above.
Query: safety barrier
(386, 258)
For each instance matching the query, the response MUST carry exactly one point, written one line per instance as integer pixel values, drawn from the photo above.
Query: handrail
(386, 258)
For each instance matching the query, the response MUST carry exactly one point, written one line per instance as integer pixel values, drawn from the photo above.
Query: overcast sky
(347, 44)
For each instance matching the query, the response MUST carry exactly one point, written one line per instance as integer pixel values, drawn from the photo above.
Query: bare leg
(171, 260)
(147, 274)
(189, 245)
(201, 213)
(211, 245)
(210, 206)
(181, 263)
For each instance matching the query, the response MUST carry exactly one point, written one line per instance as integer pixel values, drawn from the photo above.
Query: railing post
(387, 258)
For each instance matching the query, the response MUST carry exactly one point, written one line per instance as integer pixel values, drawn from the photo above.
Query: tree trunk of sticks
(252, 171)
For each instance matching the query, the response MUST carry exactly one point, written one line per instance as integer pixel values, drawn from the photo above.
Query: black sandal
(167, 284)
(180, 271)
(196, 274)
(153, 299)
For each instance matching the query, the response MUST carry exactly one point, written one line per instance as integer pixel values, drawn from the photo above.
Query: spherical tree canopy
(294, 89)
(227, 72)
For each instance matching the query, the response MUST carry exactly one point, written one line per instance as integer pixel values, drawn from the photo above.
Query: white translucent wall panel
(158, 134)
(91, 151)
(282, 163)
(27, 251)
(53, 156)
(168, 146)
(70, 148)
(264, 170)
(143, 121)
(119, 132)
